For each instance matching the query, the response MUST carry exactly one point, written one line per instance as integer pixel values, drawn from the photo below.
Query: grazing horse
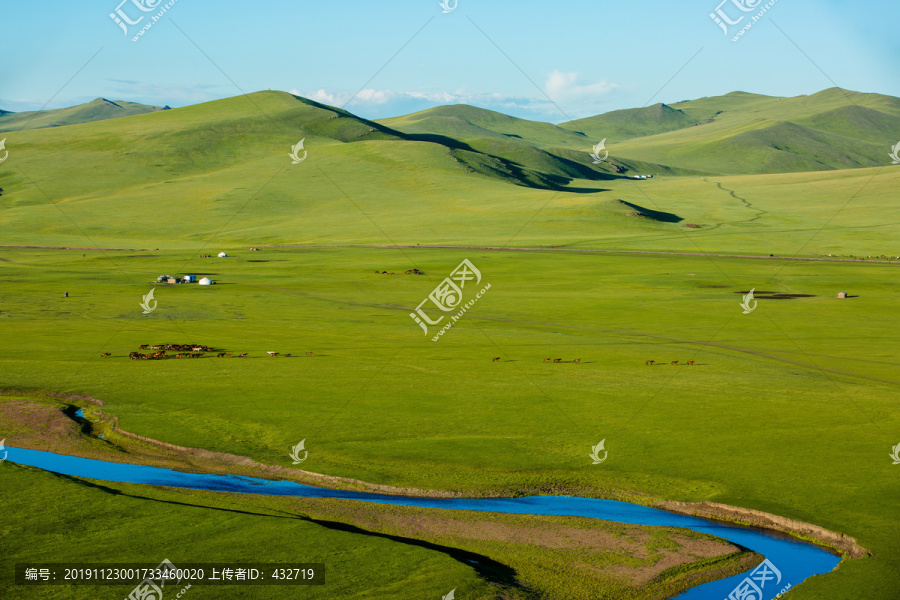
(104, 354)
(272, 353)
(286, 355)
(557, 360)
(546, 360)
(497, 359)
(228, 355)
(144, 346)
(220, 355)
(690, 362)
(242, 355)
(674, 362)
(309, 353)
(577, 360)
(650, 362)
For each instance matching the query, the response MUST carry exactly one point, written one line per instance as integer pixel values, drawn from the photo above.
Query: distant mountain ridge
(99, 109)
(737, 133)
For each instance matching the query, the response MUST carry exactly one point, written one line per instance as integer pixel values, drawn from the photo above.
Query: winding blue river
(789, 561)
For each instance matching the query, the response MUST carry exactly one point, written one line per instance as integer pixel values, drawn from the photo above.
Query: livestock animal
(286, 355)
(272, 353)
(497, 359)
(674, 362)
(690, 362)
(242, 355)
(220, 355)
(577, 360)
(104, 354)
(650, 362)
(546, 360)
(309, 353)
(557, 360)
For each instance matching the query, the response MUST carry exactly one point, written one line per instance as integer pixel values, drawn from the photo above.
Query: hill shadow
(656, 215)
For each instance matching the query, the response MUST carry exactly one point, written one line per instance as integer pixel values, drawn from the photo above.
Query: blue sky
(537, 60)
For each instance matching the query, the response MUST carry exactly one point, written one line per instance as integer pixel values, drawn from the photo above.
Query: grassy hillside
(738, 133)
(744, 134)
(630, 123)
(95, 110)
(465, 122)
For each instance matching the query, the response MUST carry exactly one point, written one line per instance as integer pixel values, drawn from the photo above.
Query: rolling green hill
(742, 133)
(632, 122)
(95, 110)
(738, 133)
(532, 145)
(221, 169)
(465, 122)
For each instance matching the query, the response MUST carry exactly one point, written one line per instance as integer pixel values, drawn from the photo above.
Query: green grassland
(790, 409)
(758, 421)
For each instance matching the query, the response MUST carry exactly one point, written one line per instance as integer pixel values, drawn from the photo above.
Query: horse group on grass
(674, 362)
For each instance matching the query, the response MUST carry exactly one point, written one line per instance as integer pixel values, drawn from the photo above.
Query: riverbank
(150, 452)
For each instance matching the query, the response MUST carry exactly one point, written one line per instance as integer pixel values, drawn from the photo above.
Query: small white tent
(205, 281)
(222, 255)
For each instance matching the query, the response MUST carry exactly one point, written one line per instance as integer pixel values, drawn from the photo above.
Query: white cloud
(319, 96)
(564, 87)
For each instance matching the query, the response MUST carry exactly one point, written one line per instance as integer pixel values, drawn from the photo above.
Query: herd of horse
(200, 351)
(674, 362)
(184, 351)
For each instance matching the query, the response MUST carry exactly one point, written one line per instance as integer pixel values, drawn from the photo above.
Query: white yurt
(205, 281)
(222, 255)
